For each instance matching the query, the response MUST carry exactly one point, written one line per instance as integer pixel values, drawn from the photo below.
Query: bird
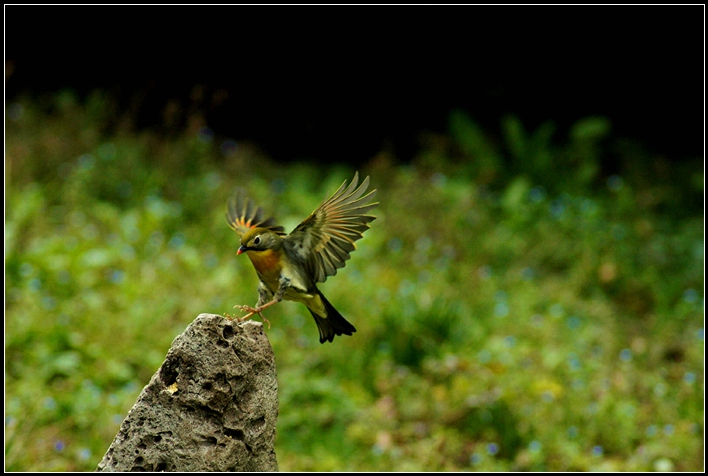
(290, 266)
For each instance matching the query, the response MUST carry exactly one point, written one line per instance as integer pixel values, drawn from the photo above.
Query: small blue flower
(117, 276)
(86, 161)
(501, 309)
(177, 241)
(537, 194)
(26, 269)
(205, 134)
(557, 209)
(527, 274)
(49, 303)
(229, 147)
(573, 362)
(614, 183)
(395, 245)
(690, 295)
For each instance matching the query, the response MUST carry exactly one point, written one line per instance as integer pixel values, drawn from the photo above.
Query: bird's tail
(333, 324)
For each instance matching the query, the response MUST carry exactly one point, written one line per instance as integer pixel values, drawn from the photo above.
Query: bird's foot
(251, 311)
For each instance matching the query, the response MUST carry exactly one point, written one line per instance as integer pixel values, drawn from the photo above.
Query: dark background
(341, 83)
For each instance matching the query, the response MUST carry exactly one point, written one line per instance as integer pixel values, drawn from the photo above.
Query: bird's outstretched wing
(243, 215)
(324, 240)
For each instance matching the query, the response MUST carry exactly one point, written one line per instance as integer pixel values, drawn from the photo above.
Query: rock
(212, 405)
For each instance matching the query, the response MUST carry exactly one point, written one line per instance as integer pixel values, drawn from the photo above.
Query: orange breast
(266, 263)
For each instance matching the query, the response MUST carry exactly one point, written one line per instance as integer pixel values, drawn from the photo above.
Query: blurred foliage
(517, 308)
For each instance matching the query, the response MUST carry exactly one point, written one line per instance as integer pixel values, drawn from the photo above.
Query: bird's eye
(257, 240)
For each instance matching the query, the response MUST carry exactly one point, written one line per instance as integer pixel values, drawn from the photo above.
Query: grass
(515, 309)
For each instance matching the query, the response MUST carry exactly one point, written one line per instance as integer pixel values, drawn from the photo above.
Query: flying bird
(290, 266)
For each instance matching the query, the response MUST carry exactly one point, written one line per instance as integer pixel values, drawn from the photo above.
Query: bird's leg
(263, 295)
(256, 310)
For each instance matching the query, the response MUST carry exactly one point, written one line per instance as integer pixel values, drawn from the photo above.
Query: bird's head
(258, 239)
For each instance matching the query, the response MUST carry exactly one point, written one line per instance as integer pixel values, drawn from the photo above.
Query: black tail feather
(333, 324)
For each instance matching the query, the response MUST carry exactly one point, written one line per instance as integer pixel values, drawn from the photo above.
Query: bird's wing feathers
(243, 215)
(324, 240)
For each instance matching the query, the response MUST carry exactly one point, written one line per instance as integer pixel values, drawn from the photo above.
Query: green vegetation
(515, 309)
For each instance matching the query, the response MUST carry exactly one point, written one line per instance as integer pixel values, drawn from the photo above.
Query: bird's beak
(241, 249)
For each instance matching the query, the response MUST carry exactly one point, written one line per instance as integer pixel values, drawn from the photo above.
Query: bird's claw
(251, 311)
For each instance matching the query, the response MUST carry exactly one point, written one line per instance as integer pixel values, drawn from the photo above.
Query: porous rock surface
(212, 405)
